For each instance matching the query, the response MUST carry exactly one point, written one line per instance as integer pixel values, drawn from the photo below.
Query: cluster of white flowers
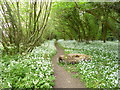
(33, 70)
(103, 69)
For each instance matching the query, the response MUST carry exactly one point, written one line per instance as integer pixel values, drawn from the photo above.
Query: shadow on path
(64, 79)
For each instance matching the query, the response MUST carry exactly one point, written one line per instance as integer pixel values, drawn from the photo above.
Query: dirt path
(64, 79)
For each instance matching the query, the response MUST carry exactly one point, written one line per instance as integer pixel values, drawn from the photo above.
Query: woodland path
(64, 79)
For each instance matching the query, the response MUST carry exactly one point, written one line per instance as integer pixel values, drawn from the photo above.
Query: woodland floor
(64, 79)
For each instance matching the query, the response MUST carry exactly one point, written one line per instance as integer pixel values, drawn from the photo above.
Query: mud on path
(64, 79)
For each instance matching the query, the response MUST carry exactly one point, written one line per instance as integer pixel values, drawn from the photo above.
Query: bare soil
(64, 79)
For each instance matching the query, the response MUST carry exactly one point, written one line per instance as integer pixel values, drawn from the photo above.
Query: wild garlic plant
(102, 71)
(31, 71)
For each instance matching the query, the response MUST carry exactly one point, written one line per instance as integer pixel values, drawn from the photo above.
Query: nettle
(31, 71)
(102, 71)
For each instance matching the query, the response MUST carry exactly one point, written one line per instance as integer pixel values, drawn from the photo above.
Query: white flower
(41, 75)
(9, 84)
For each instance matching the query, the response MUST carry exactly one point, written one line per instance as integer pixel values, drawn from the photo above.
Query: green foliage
(30, 71)
(84, 21)
(102, 71)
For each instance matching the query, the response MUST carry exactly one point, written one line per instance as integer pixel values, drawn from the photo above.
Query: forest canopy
(86, 20)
